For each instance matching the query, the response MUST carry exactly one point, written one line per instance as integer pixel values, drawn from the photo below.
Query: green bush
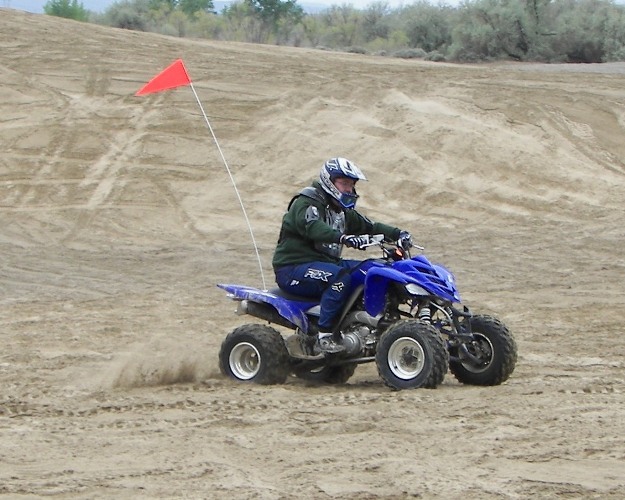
(435, 57)
(67, 9)
(356, 50)
(476, 30)
(129, 14)
(127, 18)
(427, 26)
(410, 53)
(580, 30)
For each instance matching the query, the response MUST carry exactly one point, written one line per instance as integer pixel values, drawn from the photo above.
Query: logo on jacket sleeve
(312, 214)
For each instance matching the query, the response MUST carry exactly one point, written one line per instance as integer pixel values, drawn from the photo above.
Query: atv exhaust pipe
(264, 311)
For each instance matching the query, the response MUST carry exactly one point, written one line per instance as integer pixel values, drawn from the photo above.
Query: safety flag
(174, 75)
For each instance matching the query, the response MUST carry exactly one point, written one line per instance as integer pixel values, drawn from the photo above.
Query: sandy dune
(118, 218)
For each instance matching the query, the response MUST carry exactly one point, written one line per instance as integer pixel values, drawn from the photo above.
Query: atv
(403, 313)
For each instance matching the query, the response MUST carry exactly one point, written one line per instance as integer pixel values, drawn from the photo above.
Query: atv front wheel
(490, 358)
(254, 353)
(411, 354)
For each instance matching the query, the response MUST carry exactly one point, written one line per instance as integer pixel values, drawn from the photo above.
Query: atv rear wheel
(254, 353)
(490, 358)
(411, 354)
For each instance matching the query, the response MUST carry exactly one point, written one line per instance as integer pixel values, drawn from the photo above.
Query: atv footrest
(294, 346)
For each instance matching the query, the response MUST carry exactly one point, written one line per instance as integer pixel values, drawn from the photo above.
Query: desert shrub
(614, 32)
(69, 9)
(435, 57)
(356, 50)
(130, 15)
(206, 25)
(375, 21)
(190, 7)
(460, 54)
(240, 24)
(427, 26)
(491, 29)
(410, 53)
(476, 30)
(313, 30)
(579, 28)
(126, 17)
(378, 45)
(342, 26)
(398, 38)
(177, 25)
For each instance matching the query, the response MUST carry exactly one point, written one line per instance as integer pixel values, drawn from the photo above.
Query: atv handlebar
(393, 249)
(372, 240)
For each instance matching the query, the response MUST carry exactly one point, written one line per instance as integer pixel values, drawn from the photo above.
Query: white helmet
(340, 167)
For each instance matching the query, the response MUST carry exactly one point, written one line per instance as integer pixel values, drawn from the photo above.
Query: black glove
(354, 241)
(405, 240)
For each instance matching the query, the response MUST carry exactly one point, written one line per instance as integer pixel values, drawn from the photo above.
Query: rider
(321, 219)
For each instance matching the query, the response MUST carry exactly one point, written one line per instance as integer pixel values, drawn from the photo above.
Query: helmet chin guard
(340, 167)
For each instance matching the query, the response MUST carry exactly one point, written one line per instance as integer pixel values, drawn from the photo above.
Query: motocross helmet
(340, 167)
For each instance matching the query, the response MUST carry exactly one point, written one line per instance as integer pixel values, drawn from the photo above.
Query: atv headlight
(414, 289)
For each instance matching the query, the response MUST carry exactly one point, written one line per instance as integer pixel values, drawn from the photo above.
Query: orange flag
(174, 75)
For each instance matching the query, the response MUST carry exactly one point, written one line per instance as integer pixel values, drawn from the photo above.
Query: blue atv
(403, 313)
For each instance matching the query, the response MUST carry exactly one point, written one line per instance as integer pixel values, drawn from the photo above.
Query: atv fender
(376, 286)
(294, 312)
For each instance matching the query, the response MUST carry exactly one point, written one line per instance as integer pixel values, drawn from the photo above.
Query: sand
(118, 218)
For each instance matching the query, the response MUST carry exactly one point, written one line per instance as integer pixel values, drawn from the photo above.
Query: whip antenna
(236, 190)
(175, 75)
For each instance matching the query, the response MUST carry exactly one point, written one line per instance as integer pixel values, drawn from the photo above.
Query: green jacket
(313, 225)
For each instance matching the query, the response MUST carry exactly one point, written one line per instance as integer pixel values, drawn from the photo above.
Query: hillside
(118, 219)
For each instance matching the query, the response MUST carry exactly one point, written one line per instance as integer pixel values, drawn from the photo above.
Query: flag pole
(247, 220)
(175, 75)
